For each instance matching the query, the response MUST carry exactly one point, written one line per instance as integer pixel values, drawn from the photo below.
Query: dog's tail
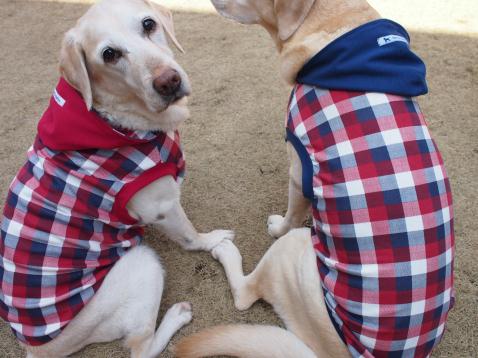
(243, 341)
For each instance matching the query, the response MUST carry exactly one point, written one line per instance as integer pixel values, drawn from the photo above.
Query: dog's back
(383, 220)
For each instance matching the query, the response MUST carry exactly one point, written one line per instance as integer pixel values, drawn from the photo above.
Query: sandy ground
(237, 172)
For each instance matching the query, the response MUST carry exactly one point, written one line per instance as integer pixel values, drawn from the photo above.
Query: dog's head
(281, 18)
(117, 56)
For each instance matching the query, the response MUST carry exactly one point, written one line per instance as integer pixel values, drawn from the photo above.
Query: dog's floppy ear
(290, 15)
(73, 67)
(166, 18)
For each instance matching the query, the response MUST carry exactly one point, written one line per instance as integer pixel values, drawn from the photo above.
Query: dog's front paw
(180, 314)
(276, 226)
(214, 238)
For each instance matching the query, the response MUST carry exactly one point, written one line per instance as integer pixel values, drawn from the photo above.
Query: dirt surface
(237, 171)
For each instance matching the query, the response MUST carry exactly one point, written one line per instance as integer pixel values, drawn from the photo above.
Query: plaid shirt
(383, 219)
(65, 222)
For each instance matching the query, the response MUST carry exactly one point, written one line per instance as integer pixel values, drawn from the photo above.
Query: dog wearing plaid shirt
(106, 161)
(374, 275)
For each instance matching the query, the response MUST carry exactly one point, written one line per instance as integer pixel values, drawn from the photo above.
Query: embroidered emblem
(386, 40)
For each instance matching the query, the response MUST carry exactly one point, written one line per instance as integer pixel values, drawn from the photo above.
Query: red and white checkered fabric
(383, 218)
(65, 223)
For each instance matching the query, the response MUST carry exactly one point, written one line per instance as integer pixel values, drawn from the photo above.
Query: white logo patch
(385, 40)
(58, 99)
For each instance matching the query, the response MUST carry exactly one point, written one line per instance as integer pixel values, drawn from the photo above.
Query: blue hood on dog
(374, 57)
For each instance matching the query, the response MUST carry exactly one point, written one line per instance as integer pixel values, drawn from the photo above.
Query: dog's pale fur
(127, 304)
(287, 275)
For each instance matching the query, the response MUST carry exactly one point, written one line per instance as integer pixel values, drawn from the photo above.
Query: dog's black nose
(168, 83)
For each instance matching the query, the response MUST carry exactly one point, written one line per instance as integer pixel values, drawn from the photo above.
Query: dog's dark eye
(149, 25)
(111, 55)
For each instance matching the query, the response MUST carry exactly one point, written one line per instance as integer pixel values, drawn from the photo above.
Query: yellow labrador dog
(106, 161)
(376, 273)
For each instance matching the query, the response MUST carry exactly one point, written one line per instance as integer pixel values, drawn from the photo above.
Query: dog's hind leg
(125, 306)
(244, 288)
(288, 279)
(152, 345)
(263, 281)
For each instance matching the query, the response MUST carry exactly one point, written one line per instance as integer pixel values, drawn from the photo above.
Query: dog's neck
(123, 116)
(326, 21)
